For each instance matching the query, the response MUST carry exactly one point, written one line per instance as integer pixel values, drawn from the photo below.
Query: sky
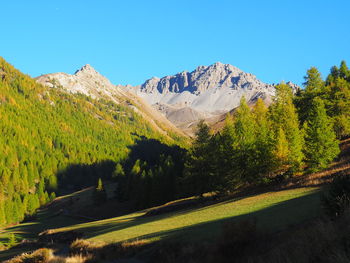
(133, 40)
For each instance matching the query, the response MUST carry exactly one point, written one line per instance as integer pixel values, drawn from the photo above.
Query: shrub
(337, 200)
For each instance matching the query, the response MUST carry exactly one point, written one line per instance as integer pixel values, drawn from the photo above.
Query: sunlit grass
(273, 211)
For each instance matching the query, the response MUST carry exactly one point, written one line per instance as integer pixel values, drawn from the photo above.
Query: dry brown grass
(342, 165)
(100, 251)
(45, 255)
(42, 255)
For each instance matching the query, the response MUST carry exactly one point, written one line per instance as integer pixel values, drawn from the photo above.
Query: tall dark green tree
(200, 172)
(338, 104)
(314, 87)
(224, 155)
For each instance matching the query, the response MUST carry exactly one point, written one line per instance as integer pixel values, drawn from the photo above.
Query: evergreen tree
(222, 145)
(314, 87)
(313, 81)
(339, 106)
(263, 145)
(99, 193)
(344, 71)
(52, 183)
(281, 151)
(284, 116)
(199, 165)
(321, 145)
(244, 141)
(118, 171)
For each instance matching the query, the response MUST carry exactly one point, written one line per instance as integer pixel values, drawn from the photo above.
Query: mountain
(91, 83)
(54, 141)
(208, 92)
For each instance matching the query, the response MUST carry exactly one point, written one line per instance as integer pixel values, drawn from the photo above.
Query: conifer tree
(321, 145)
(339, 106)
(263, 145)
(118, 171)
(244, 142)
(2, 214)
(281, 151)
(99, 194)
(222, 144)
(284, 116)
(313, 81)
(199, 166)
(314, 87)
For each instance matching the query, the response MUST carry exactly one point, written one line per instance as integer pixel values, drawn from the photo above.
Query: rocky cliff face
(86, 81)
(89, 82)
(206, 92)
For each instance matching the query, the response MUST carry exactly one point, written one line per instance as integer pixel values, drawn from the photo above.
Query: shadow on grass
(273, 218)
(45, 220)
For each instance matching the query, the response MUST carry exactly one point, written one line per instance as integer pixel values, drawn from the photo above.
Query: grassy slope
(273, 211)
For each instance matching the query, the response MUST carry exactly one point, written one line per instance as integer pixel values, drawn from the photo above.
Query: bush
(337, 200)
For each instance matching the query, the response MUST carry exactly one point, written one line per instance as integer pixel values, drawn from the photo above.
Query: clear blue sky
(130, 41)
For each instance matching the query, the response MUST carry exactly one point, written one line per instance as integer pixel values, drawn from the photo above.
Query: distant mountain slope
(89, 82)
(45, 131)
(205, 93)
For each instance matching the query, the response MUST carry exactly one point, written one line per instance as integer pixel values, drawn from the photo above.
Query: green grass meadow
(273, 211)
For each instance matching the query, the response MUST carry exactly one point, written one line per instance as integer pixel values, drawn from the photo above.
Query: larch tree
(321, 145)
(263, 145)
(284, 116)
(244, 140)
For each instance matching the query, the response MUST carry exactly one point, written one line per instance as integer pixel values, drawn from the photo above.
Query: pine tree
(314, 87)
(244, 142)
(52, 183)
(339, 108)
(199, 166)
(281, 151)
(344, 71)
(313, 81)
(263, 145)
(284, 116)
(99, 193)
(321, 145)
(118, 171)
(224, 153)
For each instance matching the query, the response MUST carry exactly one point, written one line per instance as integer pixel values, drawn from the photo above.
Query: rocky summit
(85, 80)
(204, 93)
(91, 83)
(208, 92)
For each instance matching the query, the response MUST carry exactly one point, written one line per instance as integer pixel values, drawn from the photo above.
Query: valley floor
(272, 211)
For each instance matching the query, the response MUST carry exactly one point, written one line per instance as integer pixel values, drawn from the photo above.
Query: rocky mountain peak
(86, 80)
(86, 69)
(206, 92)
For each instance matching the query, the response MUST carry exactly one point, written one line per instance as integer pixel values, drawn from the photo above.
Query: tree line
(298, 132)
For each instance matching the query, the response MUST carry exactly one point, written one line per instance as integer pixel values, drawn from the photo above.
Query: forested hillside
(52, 139)
(299, 133)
